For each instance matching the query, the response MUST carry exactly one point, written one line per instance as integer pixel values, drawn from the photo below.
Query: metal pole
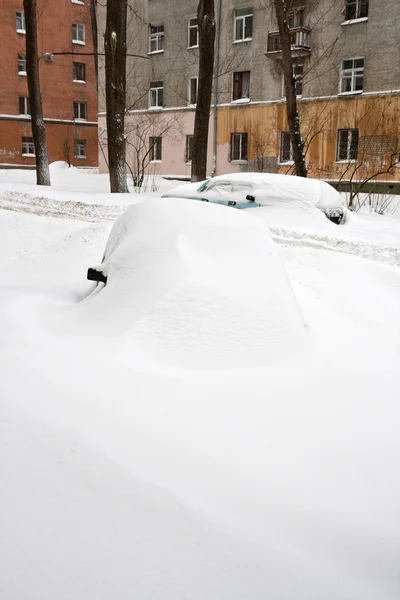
(216, 80)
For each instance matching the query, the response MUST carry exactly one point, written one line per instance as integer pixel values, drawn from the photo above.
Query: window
(24, 108)
(78, 33)
(156, 94)
(155, 144)
(28, 147)
(347, 144)
(243, 24)
(80, 148)
(80, 111)
(298, 79)
(241, 86)
(157, 39)
(193, 36)
(21, 64)
(78, 71)
(356, 9)
(193, 86)
(239, 146)
(296, 18)
(286, 152)
(352, 75)
(20, 21)
(189, 148)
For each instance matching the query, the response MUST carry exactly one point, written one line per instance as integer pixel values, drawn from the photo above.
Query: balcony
(299, 39)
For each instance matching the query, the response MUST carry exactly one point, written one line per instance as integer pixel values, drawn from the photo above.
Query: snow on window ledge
(78, 81)
(22, 73)
(345, 162)
(77, 2)
(21, 31)
(353, 93)
(81, 157)
(29, 155)
(152, 162)
(240, 101)
(156, 107)
(239, 162)
(249, 39)
(79, 42)
(286, 163)
(192, 47)
(352, 21)
(156, 52)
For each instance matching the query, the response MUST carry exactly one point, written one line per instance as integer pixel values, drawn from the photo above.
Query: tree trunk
(206, 21)
(115, 52)
(281, 11)
(35, 98)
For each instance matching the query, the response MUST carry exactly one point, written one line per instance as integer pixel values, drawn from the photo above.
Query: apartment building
(67, 81)
(346, 67)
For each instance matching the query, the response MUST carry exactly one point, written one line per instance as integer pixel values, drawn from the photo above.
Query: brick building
(347, 68)
(67, 81)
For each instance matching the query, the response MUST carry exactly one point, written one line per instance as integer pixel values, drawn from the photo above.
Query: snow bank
(198, 285)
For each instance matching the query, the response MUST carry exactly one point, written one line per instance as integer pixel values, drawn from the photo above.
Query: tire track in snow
(94, 213)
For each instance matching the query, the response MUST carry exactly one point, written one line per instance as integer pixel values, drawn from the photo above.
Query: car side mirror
(93, 275)
(250, 197)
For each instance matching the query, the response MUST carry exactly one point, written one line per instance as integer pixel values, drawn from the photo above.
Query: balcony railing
(299, 41)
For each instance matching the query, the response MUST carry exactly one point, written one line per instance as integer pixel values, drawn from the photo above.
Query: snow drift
(186, 279)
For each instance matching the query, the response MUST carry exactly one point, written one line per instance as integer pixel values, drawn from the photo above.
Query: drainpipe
(216, 81)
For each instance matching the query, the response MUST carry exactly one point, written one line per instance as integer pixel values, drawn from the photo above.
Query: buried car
(252, 190)
(195, 285)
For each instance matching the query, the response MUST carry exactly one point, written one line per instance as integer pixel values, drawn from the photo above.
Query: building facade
(346, 67)
(68, 83)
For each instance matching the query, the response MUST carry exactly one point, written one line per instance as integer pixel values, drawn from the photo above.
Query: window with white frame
(352, 75)
(80, 111)
(243, 24)
(80, 148)
(193, 87)
(23, 105)
(156, 94)
(155, 145)
(193, 33)
(241, 86)
(286, 150)
(347, 145)
(298, 70)
(28, 147)
(78, 71)
(356, 9)
(239, 147)
(156, 39)
(78, 33)
(189, 148)
(21, 64)
(296, 18)
(20, 21)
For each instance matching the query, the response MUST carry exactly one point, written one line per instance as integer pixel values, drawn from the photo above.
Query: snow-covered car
(185, 279)
(252, 190)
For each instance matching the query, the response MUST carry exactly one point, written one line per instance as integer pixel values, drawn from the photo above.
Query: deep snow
(121, 479)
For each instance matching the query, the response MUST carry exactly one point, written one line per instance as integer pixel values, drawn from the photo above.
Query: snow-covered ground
(124, 479)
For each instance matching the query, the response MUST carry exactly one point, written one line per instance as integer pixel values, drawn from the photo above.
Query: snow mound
(197, 285)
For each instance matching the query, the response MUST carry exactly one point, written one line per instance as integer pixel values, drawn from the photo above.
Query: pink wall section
(178, 124)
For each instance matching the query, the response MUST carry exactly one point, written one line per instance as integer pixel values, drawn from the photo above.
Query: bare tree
(35, 98)
(281, 12)
(206, 24)
(115, 54)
